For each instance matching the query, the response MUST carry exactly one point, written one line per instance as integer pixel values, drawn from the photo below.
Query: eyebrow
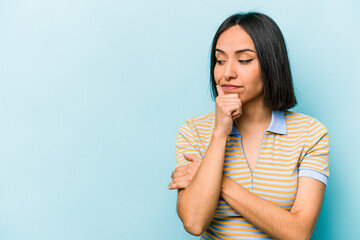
(237, 51)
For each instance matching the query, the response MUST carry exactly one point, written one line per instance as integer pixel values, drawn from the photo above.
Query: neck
(254, 117)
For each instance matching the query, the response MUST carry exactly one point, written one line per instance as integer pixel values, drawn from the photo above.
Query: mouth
(229, 87)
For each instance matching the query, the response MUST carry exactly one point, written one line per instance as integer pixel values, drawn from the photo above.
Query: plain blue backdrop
(92, 94)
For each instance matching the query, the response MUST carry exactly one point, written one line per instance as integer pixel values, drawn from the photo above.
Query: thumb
(192, 158)
(220, 90)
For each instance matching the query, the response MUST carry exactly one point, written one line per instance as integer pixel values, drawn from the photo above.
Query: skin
(201, 182)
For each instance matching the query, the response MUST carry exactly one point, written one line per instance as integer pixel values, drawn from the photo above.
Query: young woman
(251, 169)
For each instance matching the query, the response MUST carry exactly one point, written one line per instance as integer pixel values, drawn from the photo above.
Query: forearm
(268, 217)
(198, 202)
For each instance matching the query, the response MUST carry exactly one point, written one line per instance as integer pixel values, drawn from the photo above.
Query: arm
(197, 203)
(299, 223)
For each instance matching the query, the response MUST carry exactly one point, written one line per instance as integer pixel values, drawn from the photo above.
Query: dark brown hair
(271, 50)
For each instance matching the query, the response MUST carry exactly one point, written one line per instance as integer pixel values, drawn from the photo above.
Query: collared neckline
(277, 124)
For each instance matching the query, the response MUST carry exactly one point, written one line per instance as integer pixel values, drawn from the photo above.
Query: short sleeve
(186, 143)
(315, 163)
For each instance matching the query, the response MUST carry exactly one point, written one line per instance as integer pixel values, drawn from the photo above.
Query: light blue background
(92, 94)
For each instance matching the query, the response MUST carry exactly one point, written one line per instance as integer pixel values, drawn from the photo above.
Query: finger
(192, 158)
(180, 171)
(220, 90)
(234, 104)
(230, 99)
(179, 174)
(230, 96)
(235, 115)
(196, 161)
(189, 171)
(230, 109)
(229, 103)
(236, 112)
(186, 178)
(178, 185)
(221, 100)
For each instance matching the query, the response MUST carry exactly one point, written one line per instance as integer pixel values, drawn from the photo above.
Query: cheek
(255, 76)
(217, 74)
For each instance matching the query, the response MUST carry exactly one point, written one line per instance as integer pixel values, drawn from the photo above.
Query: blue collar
(277, 124)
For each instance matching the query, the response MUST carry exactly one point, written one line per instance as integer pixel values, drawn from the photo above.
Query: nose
(230, 71)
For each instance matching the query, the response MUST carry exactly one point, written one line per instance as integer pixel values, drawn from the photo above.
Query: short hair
(278, 90)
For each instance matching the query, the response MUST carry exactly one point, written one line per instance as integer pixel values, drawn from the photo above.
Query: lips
(230, 87)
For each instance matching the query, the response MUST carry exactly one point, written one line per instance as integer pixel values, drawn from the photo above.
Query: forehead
(235, 38)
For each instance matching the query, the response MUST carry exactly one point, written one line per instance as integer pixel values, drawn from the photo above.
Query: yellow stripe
(247, 224)
(232, 153)
(282, 155)
(212, 235)
(274, 148)
(274, 197)
(233, 158)
(233, 148)
(276, 180)
(276, 169)
(277, 185)
(278, 164)
(238, 234)
(274, 191)
(235, 168)
(236, 229)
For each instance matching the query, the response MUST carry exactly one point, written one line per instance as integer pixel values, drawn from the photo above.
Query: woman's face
(237, 68)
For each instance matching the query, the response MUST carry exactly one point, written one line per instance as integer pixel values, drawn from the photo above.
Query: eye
(220, 62)
(245, 61)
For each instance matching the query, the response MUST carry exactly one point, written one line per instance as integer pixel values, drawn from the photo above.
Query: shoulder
(204, 121)
(308, 123)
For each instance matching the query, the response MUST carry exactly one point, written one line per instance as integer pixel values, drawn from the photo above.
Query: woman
(252, 169)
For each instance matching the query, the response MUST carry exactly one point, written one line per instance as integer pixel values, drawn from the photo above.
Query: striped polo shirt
(294, 145)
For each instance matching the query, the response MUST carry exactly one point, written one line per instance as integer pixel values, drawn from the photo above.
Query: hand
(182, 176)
(228, 107)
